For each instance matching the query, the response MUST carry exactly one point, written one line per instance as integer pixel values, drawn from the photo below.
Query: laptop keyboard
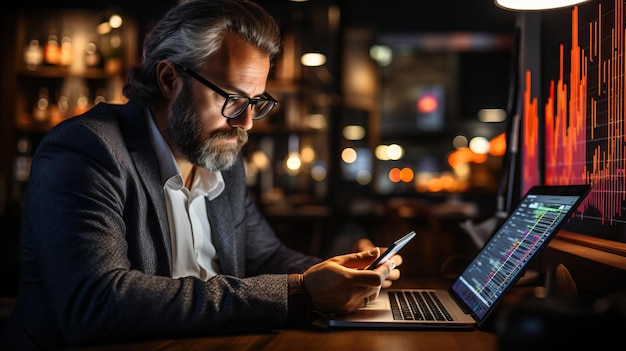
(417, 305)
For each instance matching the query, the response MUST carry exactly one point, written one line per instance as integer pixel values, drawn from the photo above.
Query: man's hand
(365, 245)
(341, 285)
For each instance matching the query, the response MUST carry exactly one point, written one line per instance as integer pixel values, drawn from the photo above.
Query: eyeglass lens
(235, 105)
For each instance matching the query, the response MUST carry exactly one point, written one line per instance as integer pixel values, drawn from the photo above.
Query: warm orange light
(466, 155)
(497, 145)
(460, 156)
(427, 104)
(394, 175)
(447, 182)
(406, 175)
(434, 185)
(480, 158)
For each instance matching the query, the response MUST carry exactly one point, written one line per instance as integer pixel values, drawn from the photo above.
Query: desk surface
(311, 339)
(315, 338)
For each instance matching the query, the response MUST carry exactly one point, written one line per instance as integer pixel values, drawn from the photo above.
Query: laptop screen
(512, 247)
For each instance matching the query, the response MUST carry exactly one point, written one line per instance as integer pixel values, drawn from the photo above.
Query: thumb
(359, 259)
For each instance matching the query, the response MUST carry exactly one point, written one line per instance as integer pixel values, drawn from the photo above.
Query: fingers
(363, 258)
(393, 275)
(340, 284)
(386, 272)
(387, 268)
(373, 296)
(337, 289)
(389, 272)
(359, 259)
(336, 273)
(397, 259)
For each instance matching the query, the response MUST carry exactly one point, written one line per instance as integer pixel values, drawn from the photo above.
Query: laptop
(475, 293)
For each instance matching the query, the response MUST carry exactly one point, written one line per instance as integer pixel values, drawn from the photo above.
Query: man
(137, 223)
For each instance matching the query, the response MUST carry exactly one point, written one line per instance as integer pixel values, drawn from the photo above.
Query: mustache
(240, 133)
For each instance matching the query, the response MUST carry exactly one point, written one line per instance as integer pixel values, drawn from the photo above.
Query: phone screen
(392, 250)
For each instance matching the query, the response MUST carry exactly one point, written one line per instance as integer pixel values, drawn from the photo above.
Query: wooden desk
(314, 338)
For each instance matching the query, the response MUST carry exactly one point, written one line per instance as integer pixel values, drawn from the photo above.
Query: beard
(185, 131)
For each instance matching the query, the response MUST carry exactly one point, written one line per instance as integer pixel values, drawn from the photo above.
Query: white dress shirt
(193, 252)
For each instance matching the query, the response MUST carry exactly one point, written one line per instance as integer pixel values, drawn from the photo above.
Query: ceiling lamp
(313, 59)
(534, 5)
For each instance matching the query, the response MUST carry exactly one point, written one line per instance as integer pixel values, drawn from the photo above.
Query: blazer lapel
(223, 234)
(135, 129)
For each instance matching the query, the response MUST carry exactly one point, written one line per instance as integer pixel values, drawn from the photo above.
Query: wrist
(295, 283)
(299, 303)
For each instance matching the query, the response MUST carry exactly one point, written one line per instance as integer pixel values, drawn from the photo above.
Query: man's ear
(167, 76)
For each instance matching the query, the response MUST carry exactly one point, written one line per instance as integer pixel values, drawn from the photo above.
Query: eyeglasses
(236, 104)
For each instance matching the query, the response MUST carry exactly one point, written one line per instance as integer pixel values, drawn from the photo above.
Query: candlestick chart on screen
(575, 125)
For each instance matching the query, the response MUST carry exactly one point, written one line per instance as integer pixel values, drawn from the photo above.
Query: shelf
(60, 72)
(47, 83)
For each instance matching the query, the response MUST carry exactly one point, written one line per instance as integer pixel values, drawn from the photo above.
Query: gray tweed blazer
(95, 248)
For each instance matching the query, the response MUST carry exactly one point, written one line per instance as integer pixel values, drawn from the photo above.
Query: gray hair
(191, 32)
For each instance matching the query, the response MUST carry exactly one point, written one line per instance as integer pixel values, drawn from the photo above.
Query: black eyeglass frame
(251, 101)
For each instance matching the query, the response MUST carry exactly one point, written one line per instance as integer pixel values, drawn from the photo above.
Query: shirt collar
(205, 182)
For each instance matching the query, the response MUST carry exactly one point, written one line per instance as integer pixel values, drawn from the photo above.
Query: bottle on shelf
(21, 167)
(59, 112)
(92, 54)
(23, 159)
(52, 50)
(33, 54)
(82, 103)
(66, 53)
(41, 110)
(113, 63)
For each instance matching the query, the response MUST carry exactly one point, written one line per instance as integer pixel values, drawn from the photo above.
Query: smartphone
(392, 250)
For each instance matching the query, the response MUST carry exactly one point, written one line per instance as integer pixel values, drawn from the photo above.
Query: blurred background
(391, 118)
(394, 116)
